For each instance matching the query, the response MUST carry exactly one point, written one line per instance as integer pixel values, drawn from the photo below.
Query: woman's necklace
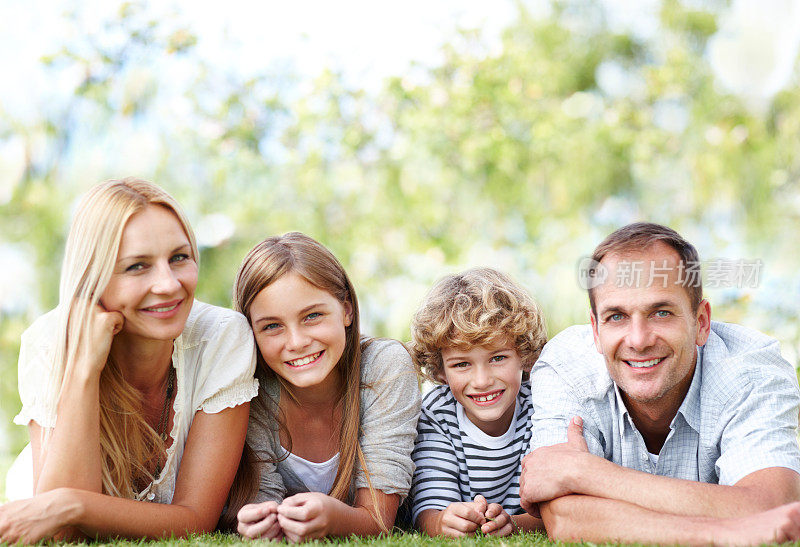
(162, 423)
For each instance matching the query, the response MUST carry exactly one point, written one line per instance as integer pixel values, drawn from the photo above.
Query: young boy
(478, 333)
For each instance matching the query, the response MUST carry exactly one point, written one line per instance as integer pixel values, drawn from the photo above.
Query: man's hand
(547, 472)
(778, 525)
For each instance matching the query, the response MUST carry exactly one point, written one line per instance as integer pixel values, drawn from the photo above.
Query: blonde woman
(136, 396)
(334, 424)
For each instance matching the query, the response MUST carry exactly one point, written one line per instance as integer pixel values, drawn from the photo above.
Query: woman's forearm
(102, 516)
(69, 513)
(72, 456)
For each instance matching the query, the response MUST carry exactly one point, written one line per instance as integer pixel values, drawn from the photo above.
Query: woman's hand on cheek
(306, 516)
(260, 520)
(96, 341)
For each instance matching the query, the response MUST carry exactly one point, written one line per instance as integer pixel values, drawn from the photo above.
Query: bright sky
(368, 39)
(753, 54)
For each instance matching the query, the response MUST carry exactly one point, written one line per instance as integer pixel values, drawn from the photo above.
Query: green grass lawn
(399, 538)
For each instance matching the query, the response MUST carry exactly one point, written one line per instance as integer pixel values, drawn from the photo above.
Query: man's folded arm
(569, 468)
(758, 467)
(758, 491)
(601, 520)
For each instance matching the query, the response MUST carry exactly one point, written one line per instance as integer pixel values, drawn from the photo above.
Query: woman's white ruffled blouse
(214, 358)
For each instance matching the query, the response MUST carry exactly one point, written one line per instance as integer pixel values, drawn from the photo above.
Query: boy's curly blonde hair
(478, 307)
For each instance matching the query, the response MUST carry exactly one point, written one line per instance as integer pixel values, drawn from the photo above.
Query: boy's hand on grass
(498, 521)
(260, 520)
(463, 518)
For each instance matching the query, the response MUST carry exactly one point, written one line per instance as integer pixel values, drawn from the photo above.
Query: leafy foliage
(520, 156)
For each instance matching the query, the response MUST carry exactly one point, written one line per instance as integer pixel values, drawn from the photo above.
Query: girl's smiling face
(300, 331)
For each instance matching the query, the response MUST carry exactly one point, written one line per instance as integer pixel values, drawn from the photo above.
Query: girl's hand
(307, 515)
(499, 522)
(260, 520)
(37, 518)
(463, 518)
(95, 342)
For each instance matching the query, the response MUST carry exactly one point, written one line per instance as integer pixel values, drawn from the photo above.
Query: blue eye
(180, 257)
(313, 315)
(663, 313)
(270, 326)
(498, 358)
(615, 318)
(139, 266)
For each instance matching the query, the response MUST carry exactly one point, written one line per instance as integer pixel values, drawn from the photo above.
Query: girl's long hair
(264, 264)
(128, 445)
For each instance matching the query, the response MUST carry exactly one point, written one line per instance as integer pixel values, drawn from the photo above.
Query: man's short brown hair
(641, 235)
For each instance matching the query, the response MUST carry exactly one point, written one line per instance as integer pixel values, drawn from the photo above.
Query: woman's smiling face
(154, 276)
(300, 330)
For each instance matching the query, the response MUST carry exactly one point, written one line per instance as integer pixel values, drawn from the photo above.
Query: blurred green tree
(521, 156)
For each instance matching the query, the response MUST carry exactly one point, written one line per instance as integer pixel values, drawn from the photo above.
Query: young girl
(129, 380)
(335, 420)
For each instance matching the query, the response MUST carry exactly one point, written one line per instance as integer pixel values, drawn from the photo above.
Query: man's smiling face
(646, 329)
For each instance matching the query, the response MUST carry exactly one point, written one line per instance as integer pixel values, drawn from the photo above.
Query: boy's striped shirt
(455, 461)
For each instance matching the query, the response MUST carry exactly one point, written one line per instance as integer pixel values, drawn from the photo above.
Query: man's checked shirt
(739, 415)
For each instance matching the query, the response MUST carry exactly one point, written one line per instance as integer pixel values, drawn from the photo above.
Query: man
(678, 429)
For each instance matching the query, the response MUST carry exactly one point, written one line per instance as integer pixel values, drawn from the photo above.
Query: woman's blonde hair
(478, 307)
(128, 445)
(266, 263)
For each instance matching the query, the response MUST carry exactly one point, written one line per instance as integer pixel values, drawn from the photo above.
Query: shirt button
(151, 496)
(644, 457)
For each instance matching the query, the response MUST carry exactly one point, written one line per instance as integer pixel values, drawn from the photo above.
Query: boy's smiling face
(485, 380)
